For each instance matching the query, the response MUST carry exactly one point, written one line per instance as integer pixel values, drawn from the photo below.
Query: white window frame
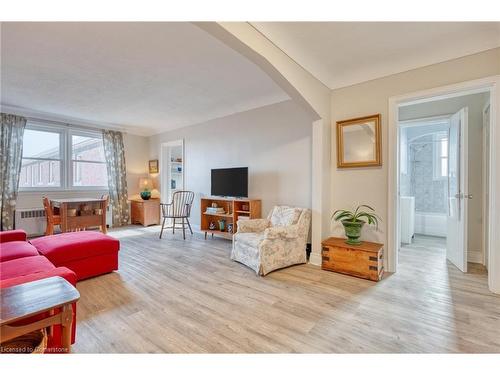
(50, 129)
(438, 157)
(81, 133)
(66, 157)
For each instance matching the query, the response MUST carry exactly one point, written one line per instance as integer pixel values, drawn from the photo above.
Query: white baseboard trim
(315, 259)
(475, 256)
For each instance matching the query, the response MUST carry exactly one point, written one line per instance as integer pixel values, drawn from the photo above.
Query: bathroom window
(440, 156)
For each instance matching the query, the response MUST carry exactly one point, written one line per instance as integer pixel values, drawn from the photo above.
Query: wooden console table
(26, 300)
(76, 222)
(365, 260)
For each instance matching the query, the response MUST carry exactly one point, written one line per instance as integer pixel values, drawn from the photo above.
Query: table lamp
(145, 186)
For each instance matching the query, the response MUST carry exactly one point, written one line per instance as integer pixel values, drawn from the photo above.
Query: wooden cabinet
(145, 212)
(233, 210)
(365, 260)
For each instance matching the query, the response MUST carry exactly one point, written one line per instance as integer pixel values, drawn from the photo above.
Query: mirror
(358, 142)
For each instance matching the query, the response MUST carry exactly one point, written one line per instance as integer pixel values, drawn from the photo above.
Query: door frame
(163, 177)
(487, 84)
(485, 188)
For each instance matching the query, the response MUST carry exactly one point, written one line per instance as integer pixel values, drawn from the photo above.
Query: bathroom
(426, 166)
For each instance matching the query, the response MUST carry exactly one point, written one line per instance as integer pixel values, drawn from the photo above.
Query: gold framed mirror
(358, 142)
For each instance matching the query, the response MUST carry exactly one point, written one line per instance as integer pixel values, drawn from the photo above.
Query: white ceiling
(145, 77)
(344, 53)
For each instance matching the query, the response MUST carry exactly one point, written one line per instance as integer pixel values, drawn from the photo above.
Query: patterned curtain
(11, 154)
(117, 176)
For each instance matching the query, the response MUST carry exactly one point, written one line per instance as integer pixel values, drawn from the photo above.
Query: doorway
(424, 150)
(458, 196)
(440, 181)
(172, 169)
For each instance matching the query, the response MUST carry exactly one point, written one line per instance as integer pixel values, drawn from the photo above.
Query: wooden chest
(145, 212)
(365, 260)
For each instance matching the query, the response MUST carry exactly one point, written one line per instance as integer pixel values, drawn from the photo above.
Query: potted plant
(354, 221)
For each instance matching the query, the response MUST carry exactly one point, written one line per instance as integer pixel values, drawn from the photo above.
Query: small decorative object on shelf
(214, 210)
(222, 225)
(353, 222)
(244, 207)
(212, 226)
(230, 228)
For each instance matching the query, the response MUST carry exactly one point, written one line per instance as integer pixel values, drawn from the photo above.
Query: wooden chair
(52, 219)
(105, 198)
(179, 208)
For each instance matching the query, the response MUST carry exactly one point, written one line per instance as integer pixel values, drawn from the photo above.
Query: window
(440, 156)
(88, 163)
(56, 157)
(41, 163)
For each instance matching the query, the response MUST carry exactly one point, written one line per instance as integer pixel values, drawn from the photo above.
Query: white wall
(475, 103)
(351, 187)
(136, 159)
(274, 142)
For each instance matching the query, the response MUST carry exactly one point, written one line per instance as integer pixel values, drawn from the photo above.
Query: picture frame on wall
(153, 166)
(359, 142)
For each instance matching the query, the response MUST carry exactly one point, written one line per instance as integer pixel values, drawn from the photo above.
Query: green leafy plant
(362, 214)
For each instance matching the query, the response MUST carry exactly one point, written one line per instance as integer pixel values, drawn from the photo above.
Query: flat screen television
(230, 182)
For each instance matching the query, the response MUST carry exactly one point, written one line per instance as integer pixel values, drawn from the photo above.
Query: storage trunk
(364, 260)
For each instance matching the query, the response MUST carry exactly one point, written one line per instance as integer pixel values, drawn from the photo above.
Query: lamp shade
(145, 183)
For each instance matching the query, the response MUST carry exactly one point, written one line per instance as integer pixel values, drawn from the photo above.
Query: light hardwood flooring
(178, 296)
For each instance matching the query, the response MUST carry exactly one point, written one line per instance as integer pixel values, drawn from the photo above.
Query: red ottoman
(86, 253)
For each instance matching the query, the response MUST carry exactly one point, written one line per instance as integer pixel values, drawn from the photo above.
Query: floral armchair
(279, 241)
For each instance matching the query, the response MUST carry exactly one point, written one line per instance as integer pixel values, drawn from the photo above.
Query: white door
(456, 238)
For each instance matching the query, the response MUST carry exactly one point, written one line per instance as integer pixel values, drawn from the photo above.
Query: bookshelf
(234, 209)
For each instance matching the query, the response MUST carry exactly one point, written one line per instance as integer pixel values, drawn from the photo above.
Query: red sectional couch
(74, 256)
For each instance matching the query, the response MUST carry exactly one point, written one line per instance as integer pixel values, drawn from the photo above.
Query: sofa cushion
(66, 247)
(16, 249)
(24, 266)
(63, 272)
(283, 216)
(12, 235)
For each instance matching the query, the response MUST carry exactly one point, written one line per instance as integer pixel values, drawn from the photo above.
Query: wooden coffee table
(26, 300)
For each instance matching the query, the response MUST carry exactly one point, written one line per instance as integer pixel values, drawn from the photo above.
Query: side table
(26, 300)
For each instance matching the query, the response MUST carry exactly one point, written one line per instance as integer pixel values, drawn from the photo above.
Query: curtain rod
(70, 125)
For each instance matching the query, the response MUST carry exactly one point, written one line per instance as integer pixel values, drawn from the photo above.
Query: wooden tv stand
(234, 210)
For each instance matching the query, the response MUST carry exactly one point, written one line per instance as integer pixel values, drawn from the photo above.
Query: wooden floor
(180, 296)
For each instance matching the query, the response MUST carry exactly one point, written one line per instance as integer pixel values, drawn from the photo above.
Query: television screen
(230, 182)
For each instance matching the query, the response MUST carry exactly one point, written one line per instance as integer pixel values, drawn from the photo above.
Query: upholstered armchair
(279, 241)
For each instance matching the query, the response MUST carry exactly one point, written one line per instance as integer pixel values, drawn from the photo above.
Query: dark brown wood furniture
(30, 299)
(178, 209)
(82, 213)
(52, 220)
(145, 212)
(234, 210)
(365, 260)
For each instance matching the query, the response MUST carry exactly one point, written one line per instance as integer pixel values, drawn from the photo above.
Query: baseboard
(315, 259)
(475, 256)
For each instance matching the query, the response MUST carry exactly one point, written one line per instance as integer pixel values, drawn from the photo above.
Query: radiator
(33, 221)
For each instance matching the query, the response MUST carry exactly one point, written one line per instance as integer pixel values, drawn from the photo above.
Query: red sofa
(74, 256)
